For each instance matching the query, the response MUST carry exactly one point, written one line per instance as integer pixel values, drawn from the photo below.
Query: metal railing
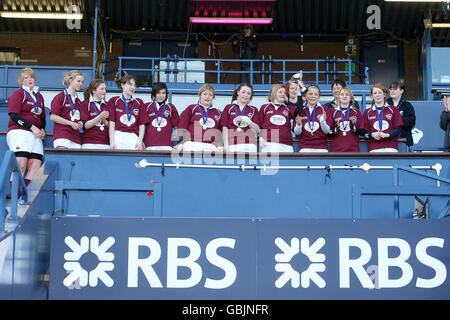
(268, 70)
(47, 77)
(10, 167)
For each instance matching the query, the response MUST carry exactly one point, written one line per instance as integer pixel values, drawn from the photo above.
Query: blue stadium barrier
(112, 197)
(47, 77)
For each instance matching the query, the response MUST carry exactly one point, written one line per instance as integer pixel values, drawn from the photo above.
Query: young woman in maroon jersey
(240, 121)
(126, 127)
(275, 117)
(94, 115)
(382, 123)
(314, 123)
(200, 123)
(65, 113)
(346, 119)
(26, 127)
(160, 118)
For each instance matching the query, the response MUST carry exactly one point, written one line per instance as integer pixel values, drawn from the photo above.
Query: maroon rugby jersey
(118, 114)
(314, 138)
(391, 120)
(276, 121)
(152, 136)
(350, 141)
(89, 110)
(61, 106)
(191, 120)
(32, 111)
(242, 136)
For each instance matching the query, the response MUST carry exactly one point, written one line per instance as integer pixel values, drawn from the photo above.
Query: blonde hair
(352, 98)
(70, 76)
(26, 72)
(274, 90)
(207, 87)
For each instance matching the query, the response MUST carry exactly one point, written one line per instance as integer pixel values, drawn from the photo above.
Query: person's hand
(37, 132)
(262, 143)
(76, 125)
(139, 145)
(384, 135)
(298, 120)
(376, 135)
(42, 134)
(323, 117)
(179, 147)
(235, 42)
(352, 125)
(446, 104)
(104, 115)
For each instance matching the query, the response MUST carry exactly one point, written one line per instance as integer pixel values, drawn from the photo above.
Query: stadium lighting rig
(41, 15)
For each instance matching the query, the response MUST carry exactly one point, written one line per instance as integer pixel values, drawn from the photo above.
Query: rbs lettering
(174, 262)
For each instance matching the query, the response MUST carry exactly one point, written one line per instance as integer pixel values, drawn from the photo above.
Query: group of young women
(127, 122)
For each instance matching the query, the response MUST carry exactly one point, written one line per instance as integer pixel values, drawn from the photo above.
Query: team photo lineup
(124, 122)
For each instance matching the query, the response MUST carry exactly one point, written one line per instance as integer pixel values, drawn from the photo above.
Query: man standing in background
(445, 123)
(247, 46)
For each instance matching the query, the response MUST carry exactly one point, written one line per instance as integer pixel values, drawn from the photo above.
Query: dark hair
(235, 92)
(340, 82)
(158, 86)
(397, 84)
(94, 84)
(125, 79)
(311, 86)
(249, 26)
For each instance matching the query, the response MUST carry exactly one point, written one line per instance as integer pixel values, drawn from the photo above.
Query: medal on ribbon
(205, 119)
(97, 112)
(158, 121)
(311, 127)
(237, 114)
(380, 118)
(344, 123)
(36, 103)
(130, 113)
(72, 109)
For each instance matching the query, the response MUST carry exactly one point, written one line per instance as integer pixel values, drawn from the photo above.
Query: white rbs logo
(311, 273)
(145, 264)
(77, 273)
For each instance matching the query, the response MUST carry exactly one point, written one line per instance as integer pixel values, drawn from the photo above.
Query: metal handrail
(10, 167)
(176, 65)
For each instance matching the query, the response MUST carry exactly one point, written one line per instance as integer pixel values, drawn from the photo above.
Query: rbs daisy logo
(103, 263)
(284, 265)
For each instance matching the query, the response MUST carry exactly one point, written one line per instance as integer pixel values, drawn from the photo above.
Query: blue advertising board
(248, 259)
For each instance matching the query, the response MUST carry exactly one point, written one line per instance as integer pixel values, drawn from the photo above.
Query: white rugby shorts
(24, 141)
(66, 143)
(95, 146)
(198, 146)
(125, 140)
(385, 150)
(159, 148)
(312, 150)
(277, 147)
(242, 147)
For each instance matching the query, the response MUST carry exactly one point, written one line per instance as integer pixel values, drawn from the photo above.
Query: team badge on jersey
(385, 125)
(210, 123)
(124, 119)
(277, 120)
